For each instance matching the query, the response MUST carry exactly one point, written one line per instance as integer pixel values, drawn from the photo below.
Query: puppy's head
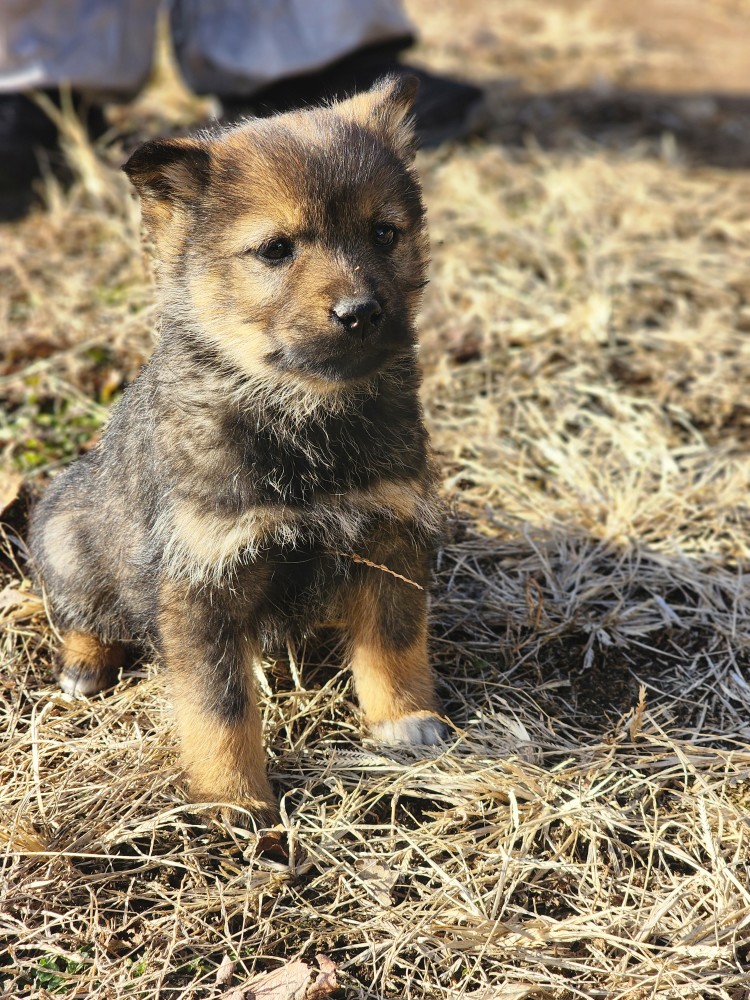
(294, 244)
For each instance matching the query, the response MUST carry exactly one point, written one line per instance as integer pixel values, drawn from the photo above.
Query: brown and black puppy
(276, 433)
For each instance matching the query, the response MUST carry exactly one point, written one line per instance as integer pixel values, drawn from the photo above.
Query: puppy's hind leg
(71, 558)
(87, 665)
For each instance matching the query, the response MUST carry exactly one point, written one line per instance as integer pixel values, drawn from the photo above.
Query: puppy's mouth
(307, 361)
(337, 358)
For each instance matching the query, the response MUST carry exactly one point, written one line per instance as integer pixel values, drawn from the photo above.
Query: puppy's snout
(358, 315)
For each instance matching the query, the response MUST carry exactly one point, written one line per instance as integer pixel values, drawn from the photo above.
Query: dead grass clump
(76, 311)
(531, 856)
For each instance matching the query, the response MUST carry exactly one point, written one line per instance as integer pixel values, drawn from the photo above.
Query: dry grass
(587, 360)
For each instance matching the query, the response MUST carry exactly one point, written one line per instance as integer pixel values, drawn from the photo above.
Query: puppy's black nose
(358, 315)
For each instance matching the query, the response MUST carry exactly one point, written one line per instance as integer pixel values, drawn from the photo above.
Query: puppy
(269, 469)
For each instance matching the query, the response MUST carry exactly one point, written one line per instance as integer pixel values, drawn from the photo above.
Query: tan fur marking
(400, 498)
(180, 175)
(201, 544)
(224, 763)
(167, 224)
(221, 297)
(244, 343)
(389, 682)
(392, 683)
(281, 219)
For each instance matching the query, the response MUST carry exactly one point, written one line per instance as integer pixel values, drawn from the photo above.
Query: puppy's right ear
(386, 108)
(170, 175)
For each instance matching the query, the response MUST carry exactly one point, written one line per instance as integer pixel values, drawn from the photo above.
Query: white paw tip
(80, 685)
(417, 729)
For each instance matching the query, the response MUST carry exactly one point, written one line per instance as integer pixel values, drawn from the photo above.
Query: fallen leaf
(225, 971)
(379, 879)
(273, 845)
(289, 982)
(326, 982)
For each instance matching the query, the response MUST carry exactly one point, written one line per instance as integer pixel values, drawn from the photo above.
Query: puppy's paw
(416, 729)
(87, 665)
(239, 803)
(264, 814)
(77, 679)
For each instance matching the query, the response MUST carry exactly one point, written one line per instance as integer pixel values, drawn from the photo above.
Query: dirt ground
(586, 358)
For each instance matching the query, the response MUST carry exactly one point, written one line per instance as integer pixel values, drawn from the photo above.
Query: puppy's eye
(384, 234)
(276, 249)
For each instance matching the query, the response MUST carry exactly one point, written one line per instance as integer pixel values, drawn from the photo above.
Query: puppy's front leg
(387, 623)
(209, 655)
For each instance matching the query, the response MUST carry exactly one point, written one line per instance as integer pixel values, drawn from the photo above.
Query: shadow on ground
(707, 128)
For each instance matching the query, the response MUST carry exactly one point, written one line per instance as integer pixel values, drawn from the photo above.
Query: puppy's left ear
(387, 109)
(174, 170)
(170, 175)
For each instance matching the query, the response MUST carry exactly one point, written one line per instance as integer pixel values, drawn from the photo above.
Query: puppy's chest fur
(248, 485)
(297, 465)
